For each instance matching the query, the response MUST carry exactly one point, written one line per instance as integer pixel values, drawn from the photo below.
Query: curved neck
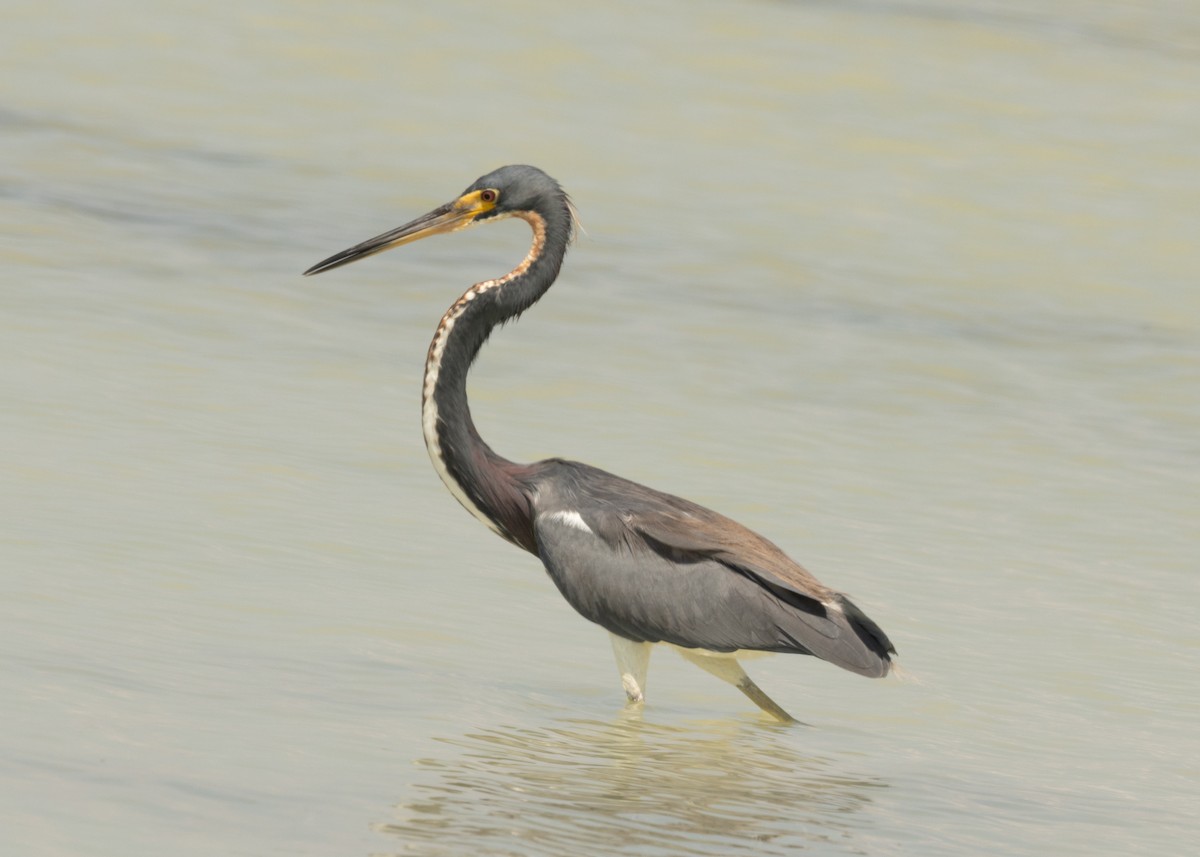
(486, 484)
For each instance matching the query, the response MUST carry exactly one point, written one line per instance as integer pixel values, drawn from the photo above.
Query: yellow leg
(633, 662)
(726, 668)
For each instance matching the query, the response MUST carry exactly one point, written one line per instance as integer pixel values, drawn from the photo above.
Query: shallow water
(909, 288)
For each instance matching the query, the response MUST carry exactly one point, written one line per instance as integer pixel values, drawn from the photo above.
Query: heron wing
(647, 596)
(652, 566)
(852, 639)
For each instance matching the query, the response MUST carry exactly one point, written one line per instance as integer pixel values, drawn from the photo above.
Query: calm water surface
(910, 288)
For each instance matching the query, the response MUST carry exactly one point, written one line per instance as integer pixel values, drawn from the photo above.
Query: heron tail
(871, 634)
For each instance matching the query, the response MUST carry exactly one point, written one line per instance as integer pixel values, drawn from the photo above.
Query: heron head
(516, 190)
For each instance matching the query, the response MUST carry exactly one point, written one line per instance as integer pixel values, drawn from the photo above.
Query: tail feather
(871, 634)
(835, 630)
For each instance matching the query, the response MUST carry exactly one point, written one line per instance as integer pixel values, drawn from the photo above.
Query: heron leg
(729, 670)
(633, 661)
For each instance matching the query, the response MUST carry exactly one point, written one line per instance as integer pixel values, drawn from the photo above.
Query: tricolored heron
(647, 566)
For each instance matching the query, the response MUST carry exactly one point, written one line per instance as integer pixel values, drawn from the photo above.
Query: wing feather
(653, 566)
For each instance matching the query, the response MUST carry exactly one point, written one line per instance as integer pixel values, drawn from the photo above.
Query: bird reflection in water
(628, 786)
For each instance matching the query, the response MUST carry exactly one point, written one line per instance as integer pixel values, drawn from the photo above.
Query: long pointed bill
(447, 218)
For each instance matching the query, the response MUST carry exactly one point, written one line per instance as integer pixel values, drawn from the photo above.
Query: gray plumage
(647, 566)
(658, 568)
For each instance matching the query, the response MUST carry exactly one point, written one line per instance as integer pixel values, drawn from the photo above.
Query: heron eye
(488, 195)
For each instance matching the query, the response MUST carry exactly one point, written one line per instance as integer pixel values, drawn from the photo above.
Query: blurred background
(908, 287)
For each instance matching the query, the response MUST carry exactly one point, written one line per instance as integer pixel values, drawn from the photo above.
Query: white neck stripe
(433, 365)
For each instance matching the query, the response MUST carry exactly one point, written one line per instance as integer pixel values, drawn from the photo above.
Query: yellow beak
(447, 218)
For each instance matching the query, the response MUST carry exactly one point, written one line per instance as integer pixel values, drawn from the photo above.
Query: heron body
(647, 566)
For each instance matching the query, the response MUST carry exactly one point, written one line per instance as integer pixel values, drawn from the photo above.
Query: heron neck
(488, 485)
